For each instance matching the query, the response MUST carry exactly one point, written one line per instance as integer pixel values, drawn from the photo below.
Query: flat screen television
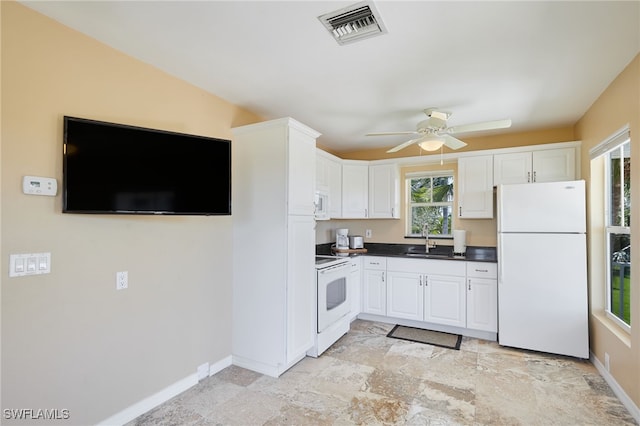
(119, 169)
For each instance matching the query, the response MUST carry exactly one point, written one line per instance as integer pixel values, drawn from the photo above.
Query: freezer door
(542, 293)
(542, 207)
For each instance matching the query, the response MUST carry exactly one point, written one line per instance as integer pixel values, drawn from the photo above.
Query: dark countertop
(416, 251)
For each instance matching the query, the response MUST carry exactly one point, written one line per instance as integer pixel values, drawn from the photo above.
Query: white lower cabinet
(445, 300)
(482, 296)
(427, 290)
(354, 284)
(405, 295)
(374, 286)
(446, 293)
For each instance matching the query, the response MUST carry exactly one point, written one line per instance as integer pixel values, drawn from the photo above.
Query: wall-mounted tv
(119, 169)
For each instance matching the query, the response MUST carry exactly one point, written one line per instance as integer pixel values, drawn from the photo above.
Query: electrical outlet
(607, 364)
(368, 233)
(122, 280)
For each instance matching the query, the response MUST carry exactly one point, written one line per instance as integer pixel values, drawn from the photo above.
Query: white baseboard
(220, 365)
(617, 389)
(151, 402)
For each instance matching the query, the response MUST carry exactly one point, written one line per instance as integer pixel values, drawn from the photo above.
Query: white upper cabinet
(301, 172)
(335, 188)
(549, 165)
(355, 190)
(475, 187)
(329, 180)
(512, 168)
(554, 165)
(322, 172)
(384, 191)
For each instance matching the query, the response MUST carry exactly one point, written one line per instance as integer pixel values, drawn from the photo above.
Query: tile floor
(369, 379)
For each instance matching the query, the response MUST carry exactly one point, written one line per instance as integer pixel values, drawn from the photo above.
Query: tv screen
(116, 168)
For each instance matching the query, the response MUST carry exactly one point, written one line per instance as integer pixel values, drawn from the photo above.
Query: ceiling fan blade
(403, 145)
(391, 133)
(452, 142)
(476, 127)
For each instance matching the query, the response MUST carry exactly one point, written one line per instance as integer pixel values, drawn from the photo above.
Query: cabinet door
(300, 290)
(384, 189)
(404, 295)
(512, 168)
(374, 297)
(445, 300)
(475, 187)
(554, 165)
(334, 170)
(302, 173)
(355, 286)
(322, 172)
(482, 304)
(355, 191)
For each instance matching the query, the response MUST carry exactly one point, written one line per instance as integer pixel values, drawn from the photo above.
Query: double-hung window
(616, 152)
(430, 203)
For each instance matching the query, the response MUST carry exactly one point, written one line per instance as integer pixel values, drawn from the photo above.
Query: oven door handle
(335, 268)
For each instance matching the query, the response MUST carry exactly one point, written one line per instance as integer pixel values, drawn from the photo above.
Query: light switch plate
(29, 264)
(35, 185)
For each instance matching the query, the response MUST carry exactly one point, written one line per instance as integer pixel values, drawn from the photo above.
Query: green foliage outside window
(431, 202)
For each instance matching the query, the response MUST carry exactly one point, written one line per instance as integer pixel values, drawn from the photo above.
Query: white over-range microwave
(322, 205)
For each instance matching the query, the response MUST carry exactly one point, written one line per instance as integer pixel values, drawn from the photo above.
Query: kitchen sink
(428, 255)
(434, 252)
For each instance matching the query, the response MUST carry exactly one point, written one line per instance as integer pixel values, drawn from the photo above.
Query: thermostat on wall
(34, 185)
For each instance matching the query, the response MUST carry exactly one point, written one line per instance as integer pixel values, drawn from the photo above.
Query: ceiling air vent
(354, 23)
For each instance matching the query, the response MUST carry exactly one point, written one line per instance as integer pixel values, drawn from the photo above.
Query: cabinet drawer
(378, 263)
(426, 266)
(482, 270)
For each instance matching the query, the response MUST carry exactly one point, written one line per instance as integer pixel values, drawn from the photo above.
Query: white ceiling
(542, 64)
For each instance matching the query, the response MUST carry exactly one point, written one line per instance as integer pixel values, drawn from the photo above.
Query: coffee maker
(342, 239)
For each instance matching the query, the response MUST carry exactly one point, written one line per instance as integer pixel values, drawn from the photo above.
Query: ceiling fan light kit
(431, 143)
(434, 132)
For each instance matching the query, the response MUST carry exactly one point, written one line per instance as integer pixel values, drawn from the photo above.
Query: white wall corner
(617, 389)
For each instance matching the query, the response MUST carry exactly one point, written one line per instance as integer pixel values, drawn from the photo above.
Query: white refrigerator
(542, 267)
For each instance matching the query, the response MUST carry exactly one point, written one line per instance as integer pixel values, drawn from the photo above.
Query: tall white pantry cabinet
(273, 244)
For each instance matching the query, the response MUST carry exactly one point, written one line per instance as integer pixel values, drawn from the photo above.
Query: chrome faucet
(427, 244)
(425, 234)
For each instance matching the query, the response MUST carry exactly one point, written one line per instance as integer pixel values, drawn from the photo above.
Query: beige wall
(618, 106)
(69, 339)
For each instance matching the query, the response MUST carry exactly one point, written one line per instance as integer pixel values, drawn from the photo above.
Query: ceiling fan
(433, 132)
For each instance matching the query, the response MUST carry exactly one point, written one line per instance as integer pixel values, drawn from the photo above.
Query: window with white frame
(430, 202)
(616, 152)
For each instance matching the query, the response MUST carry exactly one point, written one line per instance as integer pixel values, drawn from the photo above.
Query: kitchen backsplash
(480, 232)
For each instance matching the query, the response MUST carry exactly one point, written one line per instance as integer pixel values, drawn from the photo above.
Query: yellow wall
(618, 106)
(69, 339)
(512, 139)
(480, 232)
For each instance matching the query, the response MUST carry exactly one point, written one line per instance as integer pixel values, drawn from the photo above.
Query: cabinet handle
(426, 281)
(469, 284)
(460, 211)
(528, 177)
(534, 176)
(383, 277)
(366, 212)
(482, 270)
(420, 280)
